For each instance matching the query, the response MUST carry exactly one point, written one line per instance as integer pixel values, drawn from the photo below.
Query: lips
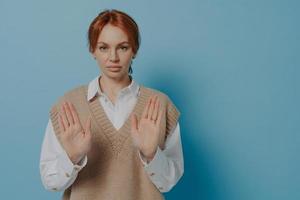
(115, 68)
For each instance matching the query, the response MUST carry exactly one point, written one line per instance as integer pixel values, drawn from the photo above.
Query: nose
(113, 56)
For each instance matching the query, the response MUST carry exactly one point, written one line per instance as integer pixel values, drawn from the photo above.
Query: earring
(130, 68)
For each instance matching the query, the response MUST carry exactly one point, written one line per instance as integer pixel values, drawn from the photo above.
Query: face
(113, 52)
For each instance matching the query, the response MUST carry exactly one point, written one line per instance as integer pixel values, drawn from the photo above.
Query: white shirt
(58, 172)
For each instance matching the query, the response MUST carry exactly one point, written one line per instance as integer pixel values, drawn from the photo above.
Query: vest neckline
(118, 136)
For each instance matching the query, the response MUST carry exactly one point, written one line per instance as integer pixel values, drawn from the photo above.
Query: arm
(167, 166)
(56, 169)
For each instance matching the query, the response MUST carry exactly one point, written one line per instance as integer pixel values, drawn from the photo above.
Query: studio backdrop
(231, 67)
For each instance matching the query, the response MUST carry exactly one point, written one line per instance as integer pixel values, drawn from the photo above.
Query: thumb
(134, 123)
(134, 129)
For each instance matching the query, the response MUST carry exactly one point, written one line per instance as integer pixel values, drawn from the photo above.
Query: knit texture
(114, 170)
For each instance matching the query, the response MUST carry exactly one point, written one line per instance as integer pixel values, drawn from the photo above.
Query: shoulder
(151, 91)
(79, 90)
(164, 98)
(72, 94)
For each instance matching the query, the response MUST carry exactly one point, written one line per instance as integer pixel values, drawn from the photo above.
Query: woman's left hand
(145, 133)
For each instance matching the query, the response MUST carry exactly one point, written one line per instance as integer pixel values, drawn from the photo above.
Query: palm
(145, 133)
(75, 140)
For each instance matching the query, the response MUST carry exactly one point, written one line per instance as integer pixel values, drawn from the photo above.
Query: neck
(111, 87)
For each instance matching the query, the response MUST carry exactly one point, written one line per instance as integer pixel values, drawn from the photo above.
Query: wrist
(75, 159)
(148, 156)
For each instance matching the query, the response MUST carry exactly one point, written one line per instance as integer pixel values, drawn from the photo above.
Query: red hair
(116, 18)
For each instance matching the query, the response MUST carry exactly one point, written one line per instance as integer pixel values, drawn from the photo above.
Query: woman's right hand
(75, 140)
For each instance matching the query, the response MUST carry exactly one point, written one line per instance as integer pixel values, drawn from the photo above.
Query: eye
(103, 48)
(124, 48)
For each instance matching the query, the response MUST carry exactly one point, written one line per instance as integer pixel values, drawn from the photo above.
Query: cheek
(100, 61)
(101, 58)
(127, 57)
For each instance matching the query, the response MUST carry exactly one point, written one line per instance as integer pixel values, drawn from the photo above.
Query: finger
(146, 109)
(156, 108)
(87, 129)
(74, 113)
(61, 123)
(151, 108)
(160, 114)
(69, 114)
(64, 117)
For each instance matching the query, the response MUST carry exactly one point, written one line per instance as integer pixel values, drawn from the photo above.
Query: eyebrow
(124, 42)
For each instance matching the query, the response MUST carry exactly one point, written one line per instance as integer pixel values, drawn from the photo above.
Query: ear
(93, 55)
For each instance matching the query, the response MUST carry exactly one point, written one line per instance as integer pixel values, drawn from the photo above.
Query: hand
(75, 140)
(145, 133)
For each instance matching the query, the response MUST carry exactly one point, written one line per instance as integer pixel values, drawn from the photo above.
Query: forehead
(112, 35)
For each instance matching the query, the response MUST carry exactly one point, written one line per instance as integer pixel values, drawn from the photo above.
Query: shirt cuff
(69, 169)
(155, 166)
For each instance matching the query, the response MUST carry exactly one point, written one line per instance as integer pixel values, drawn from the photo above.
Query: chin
(118, 75)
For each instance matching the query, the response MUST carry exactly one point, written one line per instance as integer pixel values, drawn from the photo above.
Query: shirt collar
(94, 89)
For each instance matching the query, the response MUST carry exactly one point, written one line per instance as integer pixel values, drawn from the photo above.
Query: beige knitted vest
(114, 170)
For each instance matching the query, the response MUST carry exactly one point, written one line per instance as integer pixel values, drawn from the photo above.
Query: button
(55, 189)
(152, 174)
(76, 168)
(67, 175)
(160, 188)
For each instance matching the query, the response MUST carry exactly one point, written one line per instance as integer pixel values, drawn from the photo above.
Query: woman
(112, 138)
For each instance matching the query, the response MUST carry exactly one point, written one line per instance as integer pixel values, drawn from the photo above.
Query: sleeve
(56, 169)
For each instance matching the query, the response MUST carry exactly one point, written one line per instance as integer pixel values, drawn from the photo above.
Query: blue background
(231, 67)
